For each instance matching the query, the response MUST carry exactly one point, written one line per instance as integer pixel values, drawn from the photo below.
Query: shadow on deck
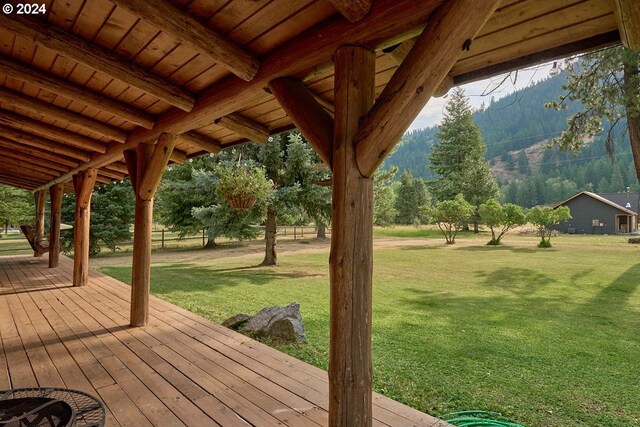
(180, 370)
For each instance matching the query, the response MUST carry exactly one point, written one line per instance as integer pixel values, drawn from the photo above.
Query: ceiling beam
(628, 18)
(353, 10)
(306, 113)
(183, 27)
(21, 170)
(44, 144)
(389, 21)
(244, 127)
(53, 112)
(18, 183)
(97, 58)
(73, 91)
(200, 141)
(399, 52)
(414, 82)
(67, 137)
(17, 155)
(36, 152)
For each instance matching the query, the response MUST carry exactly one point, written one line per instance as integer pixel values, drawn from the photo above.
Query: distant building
(601, 213)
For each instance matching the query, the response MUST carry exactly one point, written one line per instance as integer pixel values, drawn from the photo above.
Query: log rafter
(37, 153)
(628, 18)
(353, 10)
(30, 140)
(244, 127)
(414, 82)
(187, 30)
(72, 91)
(97, 58)
(306, 113)
(53, 112)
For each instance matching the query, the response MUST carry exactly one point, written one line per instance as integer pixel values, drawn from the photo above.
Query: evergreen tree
(523, 163)
(412, 196)
(617, 182)
(384, 198)
(458, 159)
(16, 206)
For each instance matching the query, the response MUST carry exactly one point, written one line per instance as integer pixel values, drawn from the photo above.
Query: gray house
(601, 213)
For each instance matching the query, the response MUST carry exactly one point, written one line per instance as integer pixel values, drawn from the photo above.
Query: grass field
(547, 337)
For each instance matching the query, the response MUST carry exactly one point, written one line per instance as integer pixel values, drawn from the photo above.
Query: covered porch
(178, 370)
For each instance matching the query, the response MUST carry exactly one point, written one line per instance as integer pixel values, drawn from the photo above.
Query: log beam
(96, 58)
(389, 22)
(19, 156)
(306, 113)
(202, 142)
(62, 135)
(353, 10)
(83, 184)
(628, 18)
(53, 112)
(183, 27)
(244, 127)
(38, 229)
(351, 259)
(55, 195)
(27, 139)
(9, 145)
(414, 82)
(399, 52)
(145, 165)
(73, 91)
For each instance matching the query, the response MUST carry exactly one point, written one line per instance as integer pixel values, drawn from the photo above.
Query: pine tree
(523, 163)
(617, 182)
(411, 198)
(458, 159)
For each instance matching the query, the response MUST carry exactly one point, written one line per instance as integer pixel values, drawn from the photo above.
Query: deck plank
(180, 370)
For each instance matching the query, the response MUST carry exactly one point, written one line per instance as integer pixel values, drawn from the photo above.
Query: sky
(432, 113)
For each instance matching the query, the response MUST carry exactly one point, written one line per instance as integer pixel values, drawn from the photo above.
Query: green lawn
(547, 337)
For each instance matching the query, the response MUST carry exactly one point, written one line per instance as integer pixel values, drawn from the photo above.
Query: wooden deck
(180, 370)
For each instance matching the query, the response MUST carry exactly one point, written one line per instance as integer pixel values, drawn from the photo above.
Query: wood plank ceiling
(90, 75)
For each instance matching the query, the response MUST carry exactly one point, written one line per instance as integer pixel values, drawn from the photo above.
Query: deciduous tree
(546, 217)
(451, 216)
(500, 218)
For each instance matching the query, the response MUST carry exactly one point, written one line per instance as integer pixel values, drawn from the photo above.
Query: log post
(83, 184)
(350, 366)
(145, 166)
(40, 198)
(55, 194)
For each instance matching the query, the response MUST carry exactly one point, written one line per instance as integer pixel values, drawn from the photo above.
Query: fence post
(302, 231)
(162, 239)
(294, 233)
(203, 242)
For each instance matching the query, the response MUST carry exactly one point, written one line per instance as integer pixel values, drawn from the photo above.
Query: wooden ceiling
(90, 78)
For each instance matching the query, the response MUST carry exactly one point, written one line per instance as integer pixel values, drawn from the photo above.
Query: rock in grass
(235, 322)
(634, 240)
(279, 323)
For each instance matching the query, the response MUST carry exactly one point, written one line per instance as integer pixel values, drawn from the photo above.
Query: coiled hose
(477, 419)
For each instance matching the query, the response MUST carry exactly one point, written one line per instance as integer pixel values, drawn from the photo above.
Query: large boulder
(279, 323)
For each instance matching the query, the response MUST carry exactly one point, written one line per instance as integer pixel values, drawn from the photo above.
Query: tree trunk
(633, 119)
(270, 231)
(322, 231)
(475, 227)
(211, 243)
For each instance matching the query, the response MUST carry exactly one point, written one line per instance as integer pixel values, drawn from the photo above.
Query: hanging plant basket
(242, 184)
(243, 202)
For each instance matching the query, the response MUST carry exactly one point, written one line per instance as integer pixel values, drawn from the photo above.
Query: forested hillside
(516, 130)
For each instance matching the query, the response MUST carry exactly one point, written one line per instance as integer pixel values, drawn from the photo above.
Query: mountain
(517, 130)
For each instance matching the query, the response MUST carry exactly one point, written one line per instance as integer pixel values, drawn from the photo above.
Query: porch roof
(88, 79)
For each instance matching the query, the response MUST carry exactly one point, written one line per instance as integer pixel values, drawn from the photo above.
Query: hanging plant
(242, 184)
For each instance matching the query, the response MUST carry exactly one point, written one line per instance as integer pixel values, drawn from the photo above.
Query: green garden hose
(477, 419)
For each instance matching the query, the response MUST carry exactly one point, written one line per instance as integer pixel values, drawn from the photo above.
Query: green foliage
(112, 209)
(544, 218)
(16, 207)
(411, 199)
(451, 216)
(384, 198)
(500, 218)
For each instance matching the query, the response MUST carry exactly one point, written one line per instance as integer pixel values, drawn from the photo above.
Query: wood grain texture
(97, 58)
(75, 92)
(59, 134)
(155, 168)
(244, 127)
(306, 113)
(22, 149)
(351, 259)
(30, 141)
(184, 28)
(202, 142)
(353, 10)
(55, 196)
(83, 183)
(412, 85)
(40, 198)
(628, 18)
(53, 112)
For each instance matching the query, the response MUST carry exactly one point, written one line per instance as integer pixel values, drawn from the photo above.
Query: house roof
(90, 75)
(623, 198)
(599, 198)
